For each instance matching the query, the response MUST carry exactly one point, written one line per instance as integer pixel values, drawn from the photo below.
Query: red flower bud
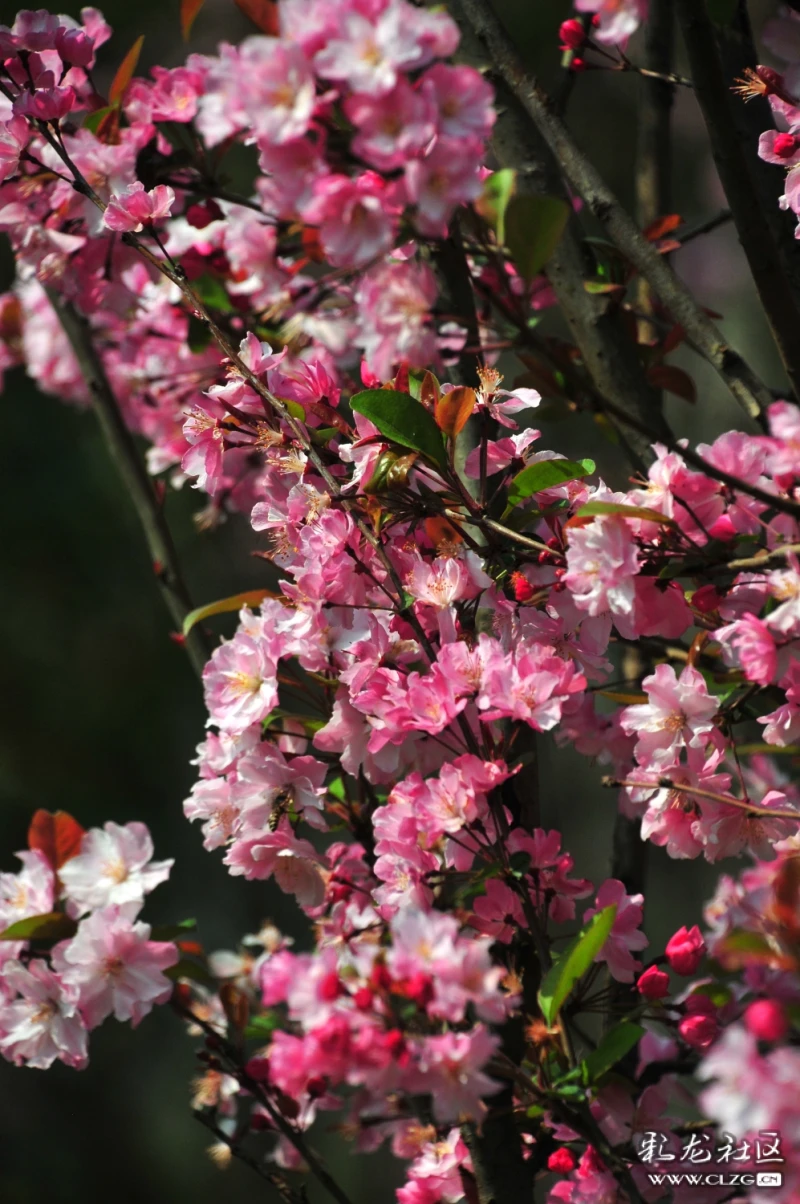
(685, 950)
(562, 1161)
(766, 1020)
(571, 34)
(698, 1031)
(785, 145)
(653, 984)
(523, 590)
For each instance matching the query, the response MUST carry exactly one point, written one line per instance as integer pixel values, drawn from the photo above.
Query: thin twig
(138, 484)
(727, 800)
(222, 1046)
(713, 92)
(285, 1191)
(751, 393)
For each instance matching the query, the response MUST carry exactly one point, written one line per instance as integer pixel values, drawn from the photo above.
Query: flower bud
(571, 34)
(685, 950)
(699, 1030)
(653, 984)
(766, 1020)
(562, 1160)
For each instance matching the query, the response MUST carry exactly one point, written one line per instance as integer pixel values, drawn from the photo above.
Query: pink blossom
(31, 892)
(115, 967)
(369, 54)
(446, 177)
(293, 862)
(114, 866)
(391, 127)
(531, 684)
(42, 1023)
(617, 19)
(14, 135)
(45, 104)
(136, 207)
(355, 223)
(625, 936)
(449, 1069)
(462, 100)
(679, 713)
(240, 681)
(749, 644)
(602, 562)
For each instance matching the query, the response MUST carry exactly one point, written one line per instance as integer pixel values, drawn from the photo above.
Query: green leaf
(772, 750)
(172, 932)
(250, 597)
(616, 1043)
(600, 287)
(402, 420)
(199, 335)
(533, 229)
(52, 926)
(574, 962)
(263, 1026)
(644, 512)
(211, 292)
(498, 189)
(92, 120)
(336, 788)
(546, 474)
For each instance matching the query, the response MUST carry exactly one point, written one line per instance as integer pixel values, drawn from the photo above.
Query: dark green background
(101, 712)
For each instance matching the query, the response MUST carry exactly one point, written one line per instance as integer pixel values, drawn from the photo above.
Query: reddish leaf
(667, 245)
(236, 1006)
(429, 391)
(453, 409)
(263, 13)
(441, 531)
(674, 380)
(673, 339)
(57, 835)
(189, 10)
(125, 72)
(786, 905)
(311, 244)
(662, 226)
(599, 287)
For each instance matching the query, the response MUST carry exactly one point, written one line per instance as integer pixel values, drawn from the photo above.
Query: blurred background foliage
(103, 713)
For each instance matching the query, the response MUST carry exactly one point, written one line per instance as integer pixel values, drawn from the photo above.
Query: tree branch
(730, 146)
(138, 484)
(750, 392)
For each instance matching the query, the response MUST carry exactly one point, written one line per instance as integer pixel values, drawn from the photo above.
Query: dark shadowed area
(102, 712)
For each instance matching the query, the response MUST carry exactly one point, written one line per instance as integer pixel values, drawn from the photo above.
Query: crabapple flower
(42, 1023)
(450, 1069)
(616, 19)
(602, 562)
(115, 967)
(14, 136)
(240, 681)
(679, 713)
(114, 866)
(625, 936)
(132, 210)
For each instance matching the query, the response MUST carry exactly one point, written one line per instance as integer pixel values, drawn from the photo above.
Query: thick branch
(702, 334)
(596, 324)
(138, 485)
(730, 146)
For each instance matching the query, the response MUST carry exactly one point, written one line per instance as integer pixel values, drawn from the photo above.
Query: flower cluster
(54, 991)
(444, 592)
